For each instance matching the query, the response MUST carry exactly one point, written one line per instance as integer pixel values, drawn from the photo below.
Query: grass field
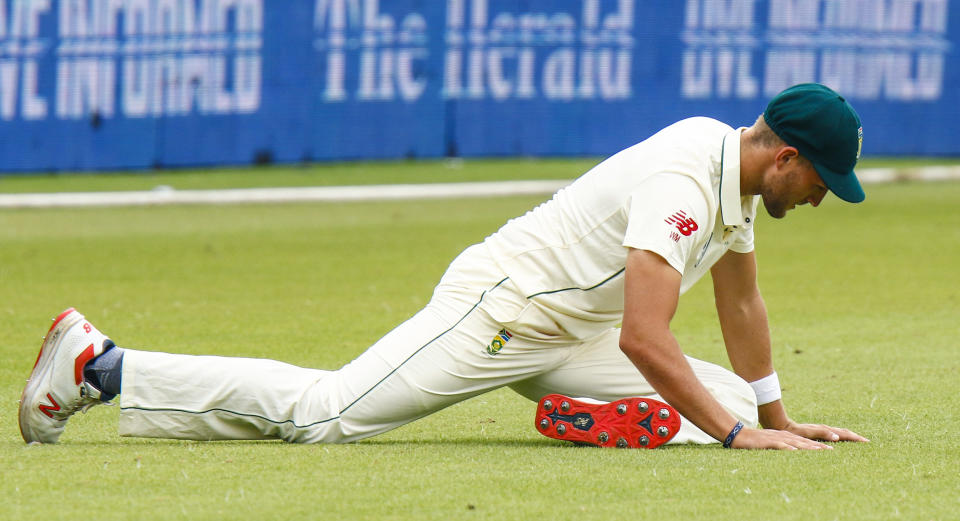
(864, 303)
(357, 173)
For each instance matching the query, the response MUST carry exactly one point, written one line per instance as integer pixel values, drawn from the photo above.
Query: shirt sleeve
(665, 217)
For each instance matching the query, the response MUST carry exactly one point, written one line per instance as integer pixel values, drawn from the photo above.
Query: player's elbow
(648, 340)
(640, 350)
(747, 305)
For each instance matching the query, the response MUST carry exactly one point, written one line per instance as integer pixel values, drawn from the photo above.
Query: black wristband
(733, 434)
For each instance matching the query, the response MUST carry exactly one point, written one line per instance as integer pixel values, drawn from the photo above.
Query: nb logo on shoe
(46, 409)
(580, 421)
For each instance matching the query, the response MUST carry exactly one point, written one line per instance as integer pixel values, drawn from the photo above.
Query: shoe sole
(28, 398)
(638, 423)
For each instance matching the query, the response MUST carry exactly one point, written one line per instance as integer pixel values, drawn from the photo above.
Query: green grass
(328, 174)
(864, 303)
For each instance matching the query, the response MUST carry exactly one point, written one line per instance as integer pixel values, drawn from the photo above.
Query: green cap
(825, 129)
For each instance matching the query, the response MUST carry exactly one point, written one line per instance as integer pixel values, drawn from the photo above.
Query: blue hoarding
(108, 84)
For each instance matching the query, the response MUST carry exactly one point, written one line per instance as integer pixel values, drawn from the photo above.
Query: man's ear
(785, 154)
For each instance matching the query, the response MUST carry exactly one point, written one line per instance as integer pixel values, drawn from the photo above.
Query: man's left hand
(823, 432)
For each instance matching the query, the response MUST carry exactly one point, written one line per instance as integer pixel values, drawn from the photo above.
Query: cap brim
(846, 186)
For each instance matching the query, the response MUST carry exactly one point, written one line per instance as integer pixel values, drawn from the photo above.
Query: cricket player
(569, 305)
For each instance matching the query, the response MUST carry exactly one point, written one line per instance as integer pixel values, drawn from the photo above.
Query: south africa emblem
(498, 341)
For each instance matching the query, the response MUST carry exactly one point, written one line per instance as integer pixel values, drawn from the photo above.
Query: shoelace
(87, 401)
(85, 404)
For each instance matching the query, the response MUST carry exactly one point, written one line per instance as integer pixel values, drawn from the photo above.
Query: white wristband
(767, 389)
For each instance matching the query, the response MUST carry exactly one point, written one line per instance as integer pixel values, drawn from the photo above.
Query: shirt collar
(730, 202)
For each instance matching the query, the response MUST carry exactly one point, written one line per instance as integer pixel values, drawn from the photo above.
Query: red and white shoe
(639, 423)
(56, 388)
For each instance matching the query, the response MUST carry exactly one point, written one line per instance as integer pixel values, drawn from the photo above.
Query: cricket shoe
(631, 422)
(56, 388)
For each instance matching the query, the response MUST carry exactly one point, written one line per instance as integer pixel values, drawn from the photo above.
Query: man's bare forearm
(663, 364)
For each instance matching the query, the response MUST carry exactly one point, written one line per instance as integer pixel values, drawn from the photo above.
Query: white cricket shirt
(676, 194)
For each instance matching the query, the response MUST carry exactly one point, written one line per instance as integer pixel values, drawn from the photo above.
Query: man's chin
(777, 212)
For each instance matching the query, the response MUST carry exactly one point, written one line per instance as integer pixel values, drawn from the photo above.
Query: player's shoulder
(701, 126)
(689, 135)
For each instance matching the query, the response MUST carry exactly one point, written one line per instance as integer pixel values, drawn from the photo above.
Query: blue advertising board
(116, 84)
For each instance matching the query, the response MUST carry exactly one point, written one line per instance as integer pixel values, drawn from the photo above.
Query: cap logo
(859, 141)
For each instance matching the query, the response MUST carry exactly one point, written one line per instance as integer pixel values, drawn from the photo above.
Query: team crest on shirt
(498, 342)
(685, 225)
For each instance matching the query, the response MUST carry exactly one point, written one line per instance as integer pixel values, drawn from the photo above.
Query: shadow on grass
(475, 442)
(510, 443)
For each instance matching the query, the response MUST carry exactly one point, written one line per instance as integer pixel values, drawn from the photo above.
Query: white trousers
(450, 351)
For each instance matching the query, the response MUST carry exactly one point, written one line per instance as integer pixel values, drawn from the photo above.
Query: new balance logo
(684, 224)
(46, 409)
